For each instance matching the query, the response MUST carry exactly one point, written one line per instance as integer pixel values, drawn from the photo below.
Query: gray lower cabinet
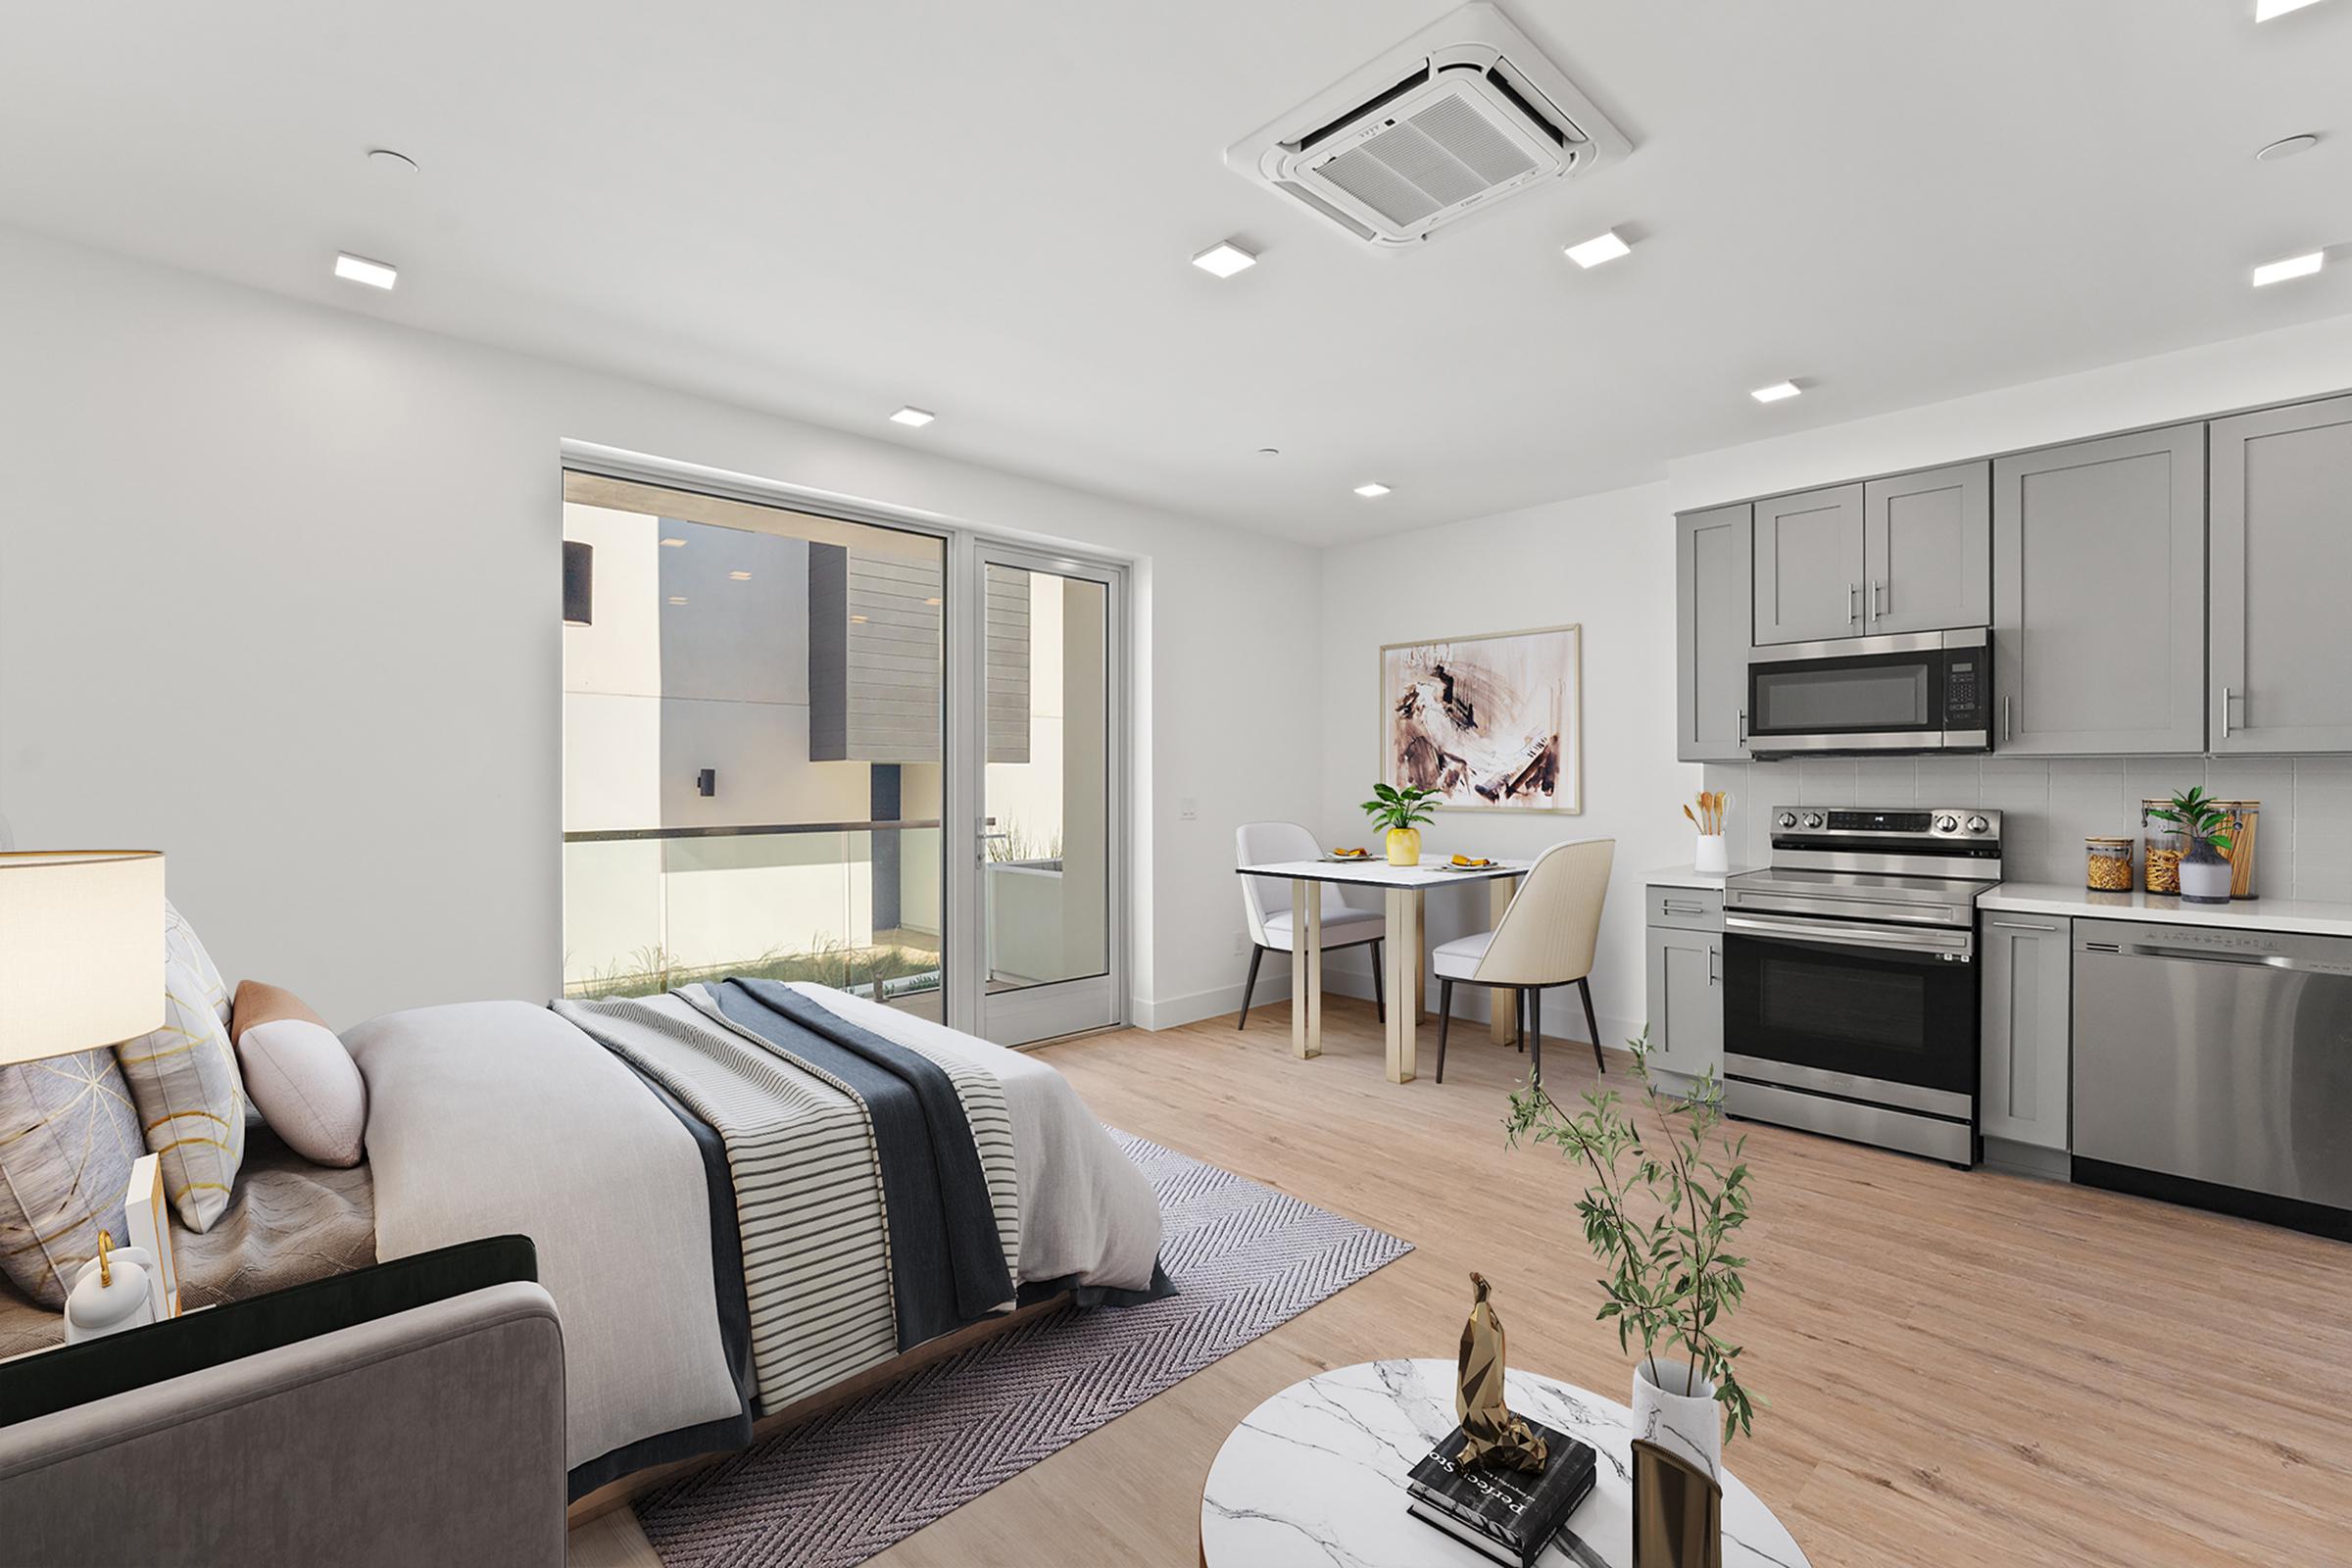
(2026, 978)
(1713, 555)
(2098, 596)
(1686, 1001)
(2281, 521)
(1927, 550)
(1809, 566)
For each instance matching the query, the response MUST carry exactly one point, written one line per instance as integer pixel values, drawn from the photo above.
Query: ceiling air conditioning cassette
(1461, 114)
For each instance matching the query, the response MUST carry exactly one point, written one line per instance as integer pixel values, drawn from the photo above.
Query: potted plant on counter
(1401, 811)
(2205, 870)
(1662, 1208)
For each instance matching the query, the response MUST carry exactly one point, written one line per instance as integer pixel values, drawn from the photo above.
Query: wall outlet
(1188, 810)
(1241, 943)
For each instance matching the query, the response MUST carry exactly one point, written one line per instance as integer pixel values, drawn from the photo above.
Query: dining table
(1405, 889)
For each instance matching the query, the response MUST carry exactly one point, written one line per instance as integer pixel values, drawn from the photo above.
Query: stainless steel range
(1850, 1002)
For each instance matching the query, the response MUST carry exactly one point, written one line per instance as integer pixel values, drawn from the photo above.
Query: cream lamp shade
(81, 949)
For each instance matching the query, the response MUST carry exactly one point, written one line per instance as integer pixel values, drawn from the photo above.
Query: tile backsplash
(2302, 847)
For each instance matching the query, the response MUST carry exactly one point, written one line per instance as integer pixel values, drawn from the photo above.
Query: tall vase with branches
(1663, 1210)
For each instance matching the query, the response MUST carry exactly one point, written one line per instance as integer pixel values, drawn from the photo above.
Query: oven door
(1879, 1014)
(1863, 694)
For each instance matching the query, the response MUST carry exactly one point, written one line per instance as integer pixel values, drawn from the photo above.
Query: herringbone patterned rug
(1244, 1258)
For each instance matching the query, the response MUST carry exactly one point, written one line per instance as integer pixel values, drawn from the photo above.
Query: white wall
(1603, 561)
(280, 594)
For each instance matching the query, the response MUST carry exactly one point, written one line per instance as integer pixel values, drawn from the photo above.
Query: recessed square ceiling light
(1777, 391)
(675, 544)
(359, 270)
(678, 599)
(913, 415)
(1372, 491)
(2265, 9)
(1224, 259)
(1604, 246)
(2294, 267)
(740, 576)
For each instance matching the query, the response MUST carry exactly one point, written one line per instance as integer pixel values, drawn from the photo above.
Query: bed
(741, 1194)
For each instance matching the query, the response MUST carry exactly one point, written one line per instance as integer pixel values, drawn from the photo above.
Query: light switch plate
(1188, 810)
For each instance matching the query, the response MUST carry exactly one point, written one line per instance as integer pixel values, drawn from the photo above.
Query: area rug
(1244, 1257)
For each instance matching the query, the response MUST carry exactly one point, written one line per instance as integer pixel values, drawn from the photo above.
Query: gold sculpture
(1494, 1438)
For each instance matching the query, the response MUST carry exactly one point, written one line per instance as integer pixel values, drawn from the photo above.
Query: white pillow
(309, 1089)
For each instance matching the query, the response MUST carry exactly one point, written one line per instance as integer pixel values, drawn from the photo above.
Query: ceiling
(986, 210)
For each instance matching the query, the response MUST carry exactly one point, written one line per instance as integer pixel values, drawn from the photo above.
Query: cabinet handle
(1880, 589)
(2008, 719)
(1714, 955)
(1851, 590)
(2021, 925)
(1672, 908)
(2225, 713)
(1743, 726)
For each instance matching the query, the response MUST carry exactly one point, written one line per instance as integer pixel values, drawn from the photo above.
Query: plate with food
(1346, 857)
(1467, 862)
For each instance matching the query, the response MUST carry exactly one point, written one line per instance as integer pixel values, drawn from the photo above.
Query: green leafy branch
(1399, 809)
(2197, 814)
(1660, 1217)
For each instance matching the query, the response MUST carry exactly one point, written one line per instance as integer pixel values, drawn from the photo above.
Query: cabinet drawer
(1687, 908)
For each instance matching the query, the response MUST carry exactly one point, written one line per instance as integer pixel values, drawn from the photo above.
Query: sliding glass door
(810, 747)
(1047, 687)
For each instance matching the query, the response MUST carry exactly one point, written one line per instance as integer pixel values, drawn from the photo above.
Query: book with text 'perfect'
(1508, 1514)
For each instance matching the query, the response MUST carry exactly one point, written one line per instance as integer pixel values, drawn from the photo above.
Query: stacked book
(1509, 1515)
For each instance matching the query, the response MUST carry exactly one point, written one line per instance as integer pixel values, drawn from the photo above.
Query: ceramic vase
(1405, 846)
(2205, 874)
(1712, 860)
(1678, 1412)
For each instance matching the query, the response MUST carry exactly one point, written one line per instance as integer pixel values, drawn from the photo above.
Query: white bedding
(488, 1118)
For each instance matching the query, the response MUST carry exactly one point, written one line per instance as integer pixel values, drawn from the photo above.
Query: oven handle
(1959, 946)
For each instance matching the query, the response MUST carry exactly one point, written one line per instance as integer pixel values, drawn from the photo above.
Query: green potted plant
(2205, 870)
(1401, 811)
(1662, 1208)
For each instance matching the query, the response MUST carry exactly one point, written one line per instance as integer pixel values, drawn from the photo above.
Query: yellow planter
(1405, 846)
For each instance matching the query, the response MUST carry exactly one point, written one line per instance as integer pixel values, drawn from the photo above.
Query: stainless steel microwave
(1928, 691)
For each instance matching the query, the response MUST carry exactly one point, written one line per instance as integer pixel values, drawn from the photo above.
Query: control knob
(1787, 820)
(1947, 825)
(1976, 824)
(1812, 819)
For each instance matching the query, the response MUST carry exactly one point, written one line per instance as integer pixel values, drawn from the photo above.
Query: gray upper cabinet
(2098, 595)
(2281, 560)
(1809, 566)
(1712, 561)
(1927, 550)
(2027, 988)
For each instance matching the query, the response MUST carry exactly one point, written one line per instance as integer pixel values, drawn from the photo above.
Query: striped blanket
(876, 1196)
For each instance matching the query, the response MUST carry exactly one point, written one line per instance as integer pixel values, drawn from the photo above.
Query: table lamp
(81, 949)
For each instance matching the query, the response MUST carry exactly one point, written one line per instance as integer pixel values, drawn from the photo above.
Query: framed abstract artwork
(1493, 722)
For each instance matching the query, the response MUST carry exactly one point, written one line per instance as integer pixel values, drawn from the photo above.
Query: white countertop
(1682, 876)
(2258, 915)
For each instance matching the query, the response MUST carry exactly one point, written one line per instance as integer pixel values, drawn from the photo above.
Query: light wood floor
(1963, 1368)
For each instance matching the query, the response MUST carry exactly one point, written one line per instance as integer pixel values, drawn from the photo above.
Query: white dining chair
(1545, 939)
(1266, 902)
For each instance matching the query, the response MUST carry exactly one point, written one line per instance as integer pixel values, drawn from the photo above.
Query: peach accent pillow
(298, 1072)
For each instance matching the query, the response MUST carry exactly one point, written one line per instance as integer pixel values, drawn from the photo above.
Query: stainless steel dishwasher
(2213, 1065)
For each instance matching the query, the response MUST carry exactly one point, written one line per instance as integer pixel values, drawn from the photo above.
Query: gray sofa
(423, 1428)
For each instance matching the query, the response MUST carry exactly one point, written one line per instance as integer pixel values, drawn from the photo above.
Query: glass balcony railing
(851, 905)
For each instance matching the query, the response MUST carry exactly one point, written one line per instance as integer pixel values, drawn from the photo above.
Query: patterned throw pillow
(68, 1140)
(183, 1079)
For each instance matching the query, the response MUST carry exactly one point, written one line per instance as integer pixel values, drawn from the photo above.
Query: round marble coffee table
(1316, 1476)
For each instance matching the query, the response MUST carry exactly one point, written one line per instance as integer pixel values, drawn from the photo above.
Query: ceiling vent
(1446, 123)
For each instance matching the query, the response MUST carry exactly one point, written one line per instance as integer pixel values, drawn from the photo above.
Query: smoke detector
(1457, 118)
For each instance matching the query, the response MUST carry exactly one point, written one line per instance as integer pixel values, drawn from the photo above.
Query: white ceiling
(986, 209)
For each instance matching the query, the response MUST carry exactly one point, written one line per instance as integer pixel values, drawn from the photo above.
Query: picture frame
(1493, 722)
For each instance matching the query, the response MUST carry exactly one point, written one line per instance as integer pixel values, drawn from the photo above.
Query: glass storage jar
(2161, 865)
(2109, 864)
